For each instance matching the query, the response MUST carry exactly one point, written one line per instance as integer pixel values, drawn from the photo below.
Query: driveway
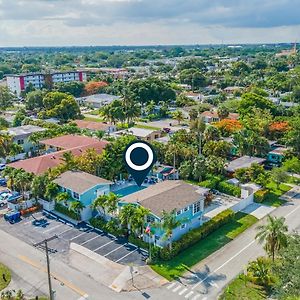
(257, 210)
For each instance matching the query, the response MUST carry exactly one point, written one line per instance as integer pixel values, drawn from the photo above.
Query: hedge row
(138, 242)
(195, 235)
(229, 189)
(110, 226)
(64, 210)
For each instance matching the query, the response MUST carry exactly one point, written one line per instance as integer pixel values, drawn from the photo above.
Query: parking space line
(55, 227)
(65, 231)
(126, 255)
(82, 233)
(103, 245)
(114, 250)
(95, 237)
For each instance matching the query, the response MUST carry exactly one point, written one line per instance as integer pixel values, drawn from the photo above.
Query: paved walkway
(257, 210)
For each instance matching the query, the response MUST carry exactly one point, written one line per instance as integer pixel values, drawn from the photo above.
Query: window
(150, 219)
(196, 207)
(186, 209)
(178, 213)
(183, 226)
(20, 142)
(75, 195)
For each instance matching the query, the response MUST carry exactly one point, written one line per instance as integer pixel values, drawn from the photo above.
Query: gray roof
(138, 132)
(243, 162)
(25, 130)
(167, 195)
(79, 181)
(98, 98)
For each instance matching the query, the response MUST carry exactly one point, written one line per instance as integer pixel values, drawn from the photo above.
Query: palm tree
(7, 146)
(76, 206)
(11, 174)
(260, 271)
(51, 191)
(23, 181)
(63, 197)
(273, 234)
(198, 126)
(169, 223)
(211, 133)
(178, 116)
(112, 202)
(68, 159)
(100, 202)
(139, 219)
(125, 216)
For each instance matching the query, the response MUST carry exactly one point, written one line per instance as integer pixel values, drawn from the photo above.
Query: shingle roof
(78, 181)
(166, 195)
(40, 164)
(70, 141)
(243, 162)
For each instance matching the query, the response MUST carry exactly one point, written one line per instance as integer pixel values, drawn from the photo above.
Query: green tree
(178, 116)
(211, 133)
(273, 234)
(6, 98)
(198, 127)
(34, 100)
(76, 206)
(51, 191)
(279, 176)
(7, 146)
(223, 112)
(217, 148)
(23, 181)
(169, 223)
(19, 117)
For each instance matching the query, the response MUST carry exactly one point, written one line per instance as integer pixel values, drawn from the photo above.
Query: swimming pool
(129, 190)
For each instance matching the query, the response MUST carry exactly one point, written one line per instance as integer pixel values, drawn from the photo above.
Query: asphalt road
(207, 279)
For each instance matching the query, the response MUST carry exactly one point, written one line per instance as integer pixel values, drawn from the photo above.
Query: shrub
(197, 234)
(65, 210)
(229, 189)
(138, 242)
(111, 226)
(211, 182)
(260, 195)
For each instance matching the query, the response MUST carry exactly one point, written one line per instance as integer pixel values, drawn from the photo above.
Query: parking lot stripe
(65, 231)
(95, 237)
(126, 255)
(114, 250)
(103, 245)
(82, 233)
(55, 227)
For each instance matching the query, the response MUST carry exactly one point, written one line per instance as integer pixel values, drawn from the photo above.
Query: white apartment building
(18, 83)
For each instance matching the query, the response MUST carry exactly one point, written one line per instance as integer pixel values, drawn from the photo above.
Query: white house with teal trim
(82, 187)
(185, 198)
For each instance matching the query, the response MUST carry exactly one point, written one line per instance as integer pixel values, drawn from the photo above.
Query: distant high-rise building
(18, 83)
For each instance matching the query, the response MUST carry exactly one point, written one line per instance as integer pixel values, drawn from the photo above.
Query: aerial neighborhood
(224, 124)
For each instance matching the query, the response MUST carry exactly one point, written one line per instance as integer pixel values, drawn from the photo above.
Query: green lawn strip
(93, 119)
(216, 240)
(146, 127)
(6, 272)
(272, 198)
(238, 290)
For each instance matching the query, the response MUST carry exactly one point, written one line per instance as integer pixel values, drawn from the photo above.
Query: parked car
(3, 182)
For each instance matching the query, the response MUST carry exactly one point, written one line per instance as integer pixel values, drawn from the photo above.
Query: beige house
(140, 133)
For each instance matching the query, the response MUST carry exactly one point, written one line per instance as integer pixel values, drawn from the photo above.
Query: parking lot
(40, 226)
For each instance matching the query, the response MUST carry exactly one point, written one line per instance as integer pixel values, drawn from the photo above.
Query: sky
(147, 22)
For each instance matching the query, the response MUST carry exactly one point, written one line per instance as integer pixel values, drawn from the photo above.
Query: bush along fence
(197, 234)
(66, 211)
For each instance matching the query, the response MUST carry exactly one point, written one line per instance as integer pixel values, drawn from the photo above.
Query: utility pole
(45, 243)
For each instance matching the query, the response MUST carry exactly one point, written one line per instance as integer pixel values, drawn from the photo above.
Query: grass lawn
(93, 119)
(238, 290)
(4, 270)
(146, 127)
(272, 198)
(216, 240)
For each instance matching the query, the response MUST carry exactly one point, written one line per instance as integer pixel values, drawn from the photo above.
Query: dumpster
(12, 217)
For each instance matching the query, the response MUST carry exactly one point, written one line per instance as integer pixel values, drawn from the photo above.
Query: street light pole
(45, 242)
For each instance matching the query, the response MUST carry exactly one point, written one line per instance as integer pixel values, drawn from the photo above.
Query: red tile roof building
(77, 145)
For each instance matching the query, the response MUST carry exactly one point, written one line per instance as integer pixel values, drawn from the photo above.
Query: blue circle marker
(139, 157)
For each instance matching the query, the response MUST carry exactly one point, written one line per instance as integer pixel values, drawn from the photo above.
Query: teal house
(82, 187)
(276, 156)
(186, 199)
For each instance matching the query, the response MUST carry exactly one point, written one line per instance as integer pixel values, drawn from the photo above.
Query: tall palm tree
(198, 126)
(7, 146)
(63, 197)
(51, 191)
(169, 223)
(23, 181)
(112, 202)
(139, 219)
(10, 174)
(125, 216)
(273, 234)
